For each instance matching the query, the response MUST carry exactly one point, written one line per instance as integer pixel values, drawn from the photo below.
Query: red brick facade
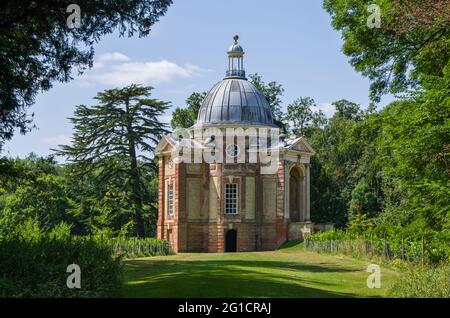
(260, 226)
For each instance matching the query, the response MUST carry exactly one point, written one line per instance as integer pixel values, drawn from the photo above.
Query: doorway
(231, 241)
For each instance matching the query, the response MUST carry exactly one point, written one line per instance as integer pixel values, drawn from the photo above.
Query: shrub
(359, 223)
(423, 283)
(34, 263)
(136, 247)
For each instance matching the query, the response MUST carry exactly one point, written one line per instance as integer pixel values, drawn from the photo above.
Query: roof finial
(235, 59)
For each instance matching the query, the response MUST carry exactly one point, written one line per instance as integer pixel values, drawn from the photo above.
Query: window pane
(231, 198)
(170, 199)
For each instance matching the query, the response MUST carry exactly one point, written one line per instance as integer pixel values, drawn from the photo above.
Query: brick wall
(206, 231)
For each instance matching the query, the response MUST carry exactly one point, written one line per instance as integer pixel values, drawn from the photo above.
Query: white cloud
(113, 56)
(117, 69)
(327, 108)
(109, 58)
(57, 140)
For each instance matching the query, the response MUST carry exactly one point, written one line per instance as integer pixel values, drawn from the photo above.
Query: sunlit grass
(289, 272)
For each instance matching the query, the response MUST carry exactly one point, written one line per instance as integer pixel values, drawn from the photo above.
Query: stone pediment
(164, 145)
(300, 147)
(299, 144)
(168, 143)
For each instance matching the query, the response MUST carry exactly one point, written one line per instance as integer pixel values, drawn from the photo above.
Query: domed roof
(235, 48)
(235, 101)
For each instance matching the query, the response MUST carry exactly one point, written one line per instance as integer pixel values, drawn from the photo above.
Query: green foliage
(427, 282)
(15, 172)
(272, 91)
(391, 165)
(37, 47)
(359, 223)
(414, 144)
(411, 42)
(339, 147)
(43, 199)
(39, 269)
(399, 157)
(186, 117)
(136, 247)
(61, 231)
(105, 207)
(301, 116)
(389, 244)
(38, 188)
(108, 141)
(348, 110)
(363, 199)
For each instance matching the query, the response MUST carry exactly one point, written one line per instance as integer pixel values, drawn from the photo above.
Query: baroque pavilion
(234, 204)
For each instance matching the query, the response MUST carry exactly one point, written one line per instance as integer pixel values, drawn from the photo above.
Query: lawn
(289, 272)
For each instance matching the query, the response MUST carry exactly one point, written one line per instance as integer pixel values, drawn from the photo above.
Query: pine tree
(123, 127)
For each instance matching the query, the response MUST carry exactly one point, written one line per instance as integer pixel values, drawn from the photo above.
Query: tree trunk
(135, 180)
(136, 188)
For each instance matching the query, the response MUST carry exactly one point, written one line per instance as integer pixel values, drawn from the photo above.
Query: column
(307, 218)
(287, 167)
(302, 197)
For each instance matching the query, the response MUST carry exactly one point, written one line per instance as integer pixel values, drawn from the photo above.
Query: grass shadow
(231, 278)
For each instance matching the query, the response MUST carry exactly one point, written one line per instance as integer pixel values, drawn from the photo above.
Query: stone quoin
(233, 205)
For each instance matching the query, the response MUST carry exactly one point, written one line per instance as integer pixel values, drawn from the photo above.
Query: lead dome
(235, 100)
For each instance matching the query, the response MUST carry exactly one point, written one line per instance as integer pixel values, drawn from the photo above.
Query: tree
(272, 91)
(37, 47)
(104, 206)
(186, 117)
(363, 200)
(412, 41)
(414, 146)
(347, 109)
(16, 172)
(359, 223)
(300, 116)
(33, 188)
(339, 164)
(111, 136)
(43, 199)
(398, 167)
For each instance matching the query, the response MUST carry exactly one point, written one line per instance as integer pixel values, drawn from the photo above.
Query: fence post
(365, 246)
(403, 250)
(422, 250)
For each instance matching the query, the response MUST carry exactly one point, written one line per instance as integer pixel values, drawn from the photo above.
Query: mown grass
(288, 272)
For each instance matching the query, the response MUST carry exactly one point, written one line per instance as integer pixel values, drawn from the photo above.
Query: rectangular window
(231, 198)
(170, 199)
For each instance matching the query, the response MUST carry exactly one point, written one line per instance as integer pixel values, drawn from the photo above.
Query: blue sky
(289, 41)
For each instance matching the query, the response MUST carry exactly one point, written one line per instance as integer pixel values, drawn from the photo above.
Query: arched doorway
(295, 195)
(231, 241)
